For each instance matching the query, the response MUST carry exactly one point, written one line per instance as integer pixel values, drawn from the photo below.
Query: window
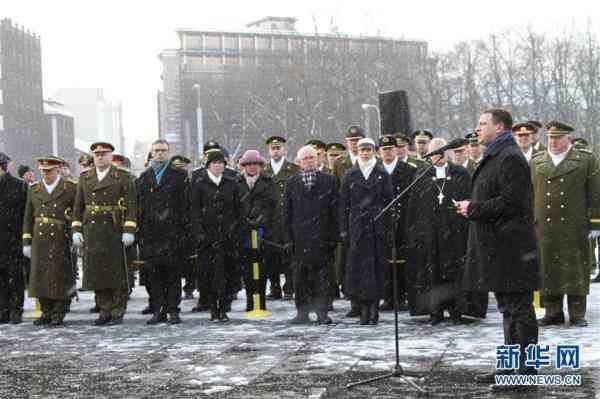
(296, 45)
(230, 43)
(279, 44)
(213, 60)
(232, 60)
(212, 42)
(192, 42)
(1, 123)
(263, 43)
(247, 44)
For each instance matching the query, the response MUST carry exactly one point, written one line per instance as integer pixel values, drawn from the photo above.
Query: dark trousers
(254, 286)
(112, 302)
(277, 262)
(54, 308)
(312, 286)
(190, 275)
(12, 287)
(165, 286)
(520, 324)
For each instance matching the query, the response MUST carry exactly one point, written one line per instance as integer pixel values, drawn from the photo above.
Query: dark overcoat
(13, 194)
(163, 214)
(436, 245)
(502, 251)
(260, 204)
(217, 223)
(360, 201)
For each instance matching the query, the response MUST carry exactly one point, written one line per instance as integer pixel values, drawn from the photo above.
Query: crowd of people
(314, 229)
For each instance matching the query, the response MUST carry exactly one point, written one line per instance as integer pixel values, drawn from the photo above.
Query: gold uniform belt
(45, 220)
(102, 208)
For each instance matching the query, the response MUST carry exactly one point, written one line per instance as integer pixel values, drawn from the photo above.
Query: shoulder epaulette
(414, 165)
(537, 154)
(584, 150)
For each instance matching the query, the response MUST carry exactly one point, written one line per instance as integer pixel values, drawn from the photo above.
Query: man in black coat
(163, 205)
(217, 226)
(13, 196)
(366, 190)
(259, 196)
(310, 218)
(502, 254)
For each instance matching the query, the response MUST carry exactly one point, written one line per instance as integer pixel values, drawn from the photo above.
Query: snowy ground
(265, 358)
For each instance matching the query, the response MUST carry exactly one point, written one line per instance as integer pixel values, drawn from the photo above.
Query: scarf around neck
(366, 167)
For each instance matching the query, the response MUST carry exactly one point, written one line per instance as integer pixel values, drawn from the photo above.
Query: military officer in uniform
(334, 151)
(523, 133)
(47, 241)
(278, 261)
(321, 148)
(422, 138)
(566, 181)
(475, 149)
(104, 223)
(461, 157)
(535, 137)
(86, 162)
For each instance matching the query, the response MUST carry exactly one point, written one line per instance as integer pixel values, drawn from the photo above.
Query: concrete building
(61, 126)
(23, 130)
(96, 118)
(205, 57)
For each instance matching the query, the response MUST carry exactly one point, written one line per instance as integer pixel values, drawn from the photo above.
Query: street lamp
(365, 108)
(200, 131)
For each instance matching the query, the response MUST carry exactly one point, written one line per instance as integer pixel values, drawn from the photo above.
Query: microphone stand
(398, 371)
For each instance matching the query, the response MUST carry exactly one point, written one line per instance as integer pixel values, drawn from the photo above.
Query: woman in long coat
(366, 190)
(216, 215)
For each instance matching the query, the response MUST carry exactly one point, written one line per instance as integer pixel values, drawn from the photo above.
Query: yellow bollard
(536, 301)
(34, 313)
(257, 312)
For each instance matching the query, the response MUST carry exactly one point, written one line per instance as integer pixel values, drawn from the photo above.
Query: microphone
(450, 146)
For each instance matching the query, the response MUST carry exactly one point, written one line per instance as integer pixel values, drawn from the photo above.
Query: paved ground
(265, 358)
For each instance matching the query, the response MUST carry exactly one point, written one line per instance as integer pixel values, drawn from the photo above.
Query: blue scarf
(159, 169)
(500, 139)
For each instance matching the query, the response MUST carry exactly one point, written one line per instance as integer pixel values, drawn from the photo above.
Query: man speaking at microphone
(502, 254)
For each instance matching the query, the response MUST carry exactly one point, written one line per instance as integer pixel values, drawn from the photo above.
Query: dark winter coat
(287, 169)
(360, 201)
(48, 231)
(436, 244)
(402, 175)
(13, 194)
(217, 223)
(502, 252)
(260, 203)
(163, 214)
(310, 218)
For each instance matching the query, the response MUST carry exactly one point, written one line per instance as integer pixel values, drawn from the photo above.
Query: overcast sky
(114, 44)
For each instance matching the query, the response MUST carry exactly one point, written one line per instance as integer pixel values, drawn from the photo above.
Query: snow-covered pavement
(263, 358)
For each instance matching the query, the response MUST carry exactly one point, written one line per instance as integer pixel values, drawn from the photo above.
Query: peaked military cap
(49, 162)
(317, 144)
(355, 132)
(86, 160)
(402, 139)
(210, 146)
(472, 138)
(524, 128)
(4, 158)
(275, 141)
(422, 135)
(180, 160)
(335, 148)
(538, 125)
(102, 146)
(556, 128)
(387, 141)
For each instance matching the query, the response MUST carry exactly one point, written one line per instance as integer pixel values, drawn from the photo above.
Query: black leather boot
(364, 313)
(214, 312)
(374, 313)
(354, 309)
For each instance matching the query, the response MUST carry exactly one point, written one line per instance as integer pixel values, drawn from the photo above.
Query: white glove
(128, 239)
(594, 234)
(78, 240)
(27, 251)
